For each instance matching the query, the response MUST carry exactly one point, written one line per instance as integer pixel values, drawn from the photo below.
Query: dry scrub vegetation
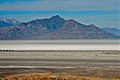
(50, 76)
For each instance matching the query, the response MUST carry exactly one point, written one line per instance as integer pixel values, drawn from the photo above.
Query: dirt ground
(60, 65)
(104, 73)
(51, 76)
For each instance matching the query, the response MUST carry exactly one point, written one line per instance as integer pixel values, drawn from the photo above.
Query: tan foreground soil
(60, 65)
(51, 76)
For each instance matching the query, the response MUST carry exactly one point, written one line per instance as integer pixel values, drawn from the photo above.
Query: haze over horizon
(103, 13)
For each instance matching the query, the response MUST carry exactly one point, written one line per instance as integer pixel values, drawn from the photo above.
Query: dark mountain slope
(75, 30)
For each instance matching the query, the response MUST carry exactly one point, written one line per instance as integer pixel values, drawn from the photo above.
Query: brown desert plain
(60, 65)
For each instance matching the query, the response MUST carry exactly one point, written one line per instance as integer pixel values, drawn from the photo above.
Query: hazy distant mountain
(113, 31)
(52, 28)
(4, 22)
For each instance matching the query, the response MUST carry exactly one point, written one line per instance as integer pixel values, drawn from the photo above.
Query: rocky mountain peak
(57, 17)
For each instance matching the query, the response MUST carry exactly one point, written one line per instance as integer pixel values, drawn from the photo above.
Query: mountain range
(114, 31)
(55, 27)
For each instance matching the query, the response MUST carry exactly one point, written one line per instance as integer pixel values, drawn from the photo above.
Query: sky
(102, 13)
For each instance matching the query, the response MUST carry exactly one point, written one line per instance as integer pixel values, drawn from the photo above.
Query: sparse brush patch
(50, 76)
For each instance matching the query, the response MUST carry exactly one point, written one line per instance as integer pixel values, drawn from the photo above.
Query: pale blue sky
(103, 13)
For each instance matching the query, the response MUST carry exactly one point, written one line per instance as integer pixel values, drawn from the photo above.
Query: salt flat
(60, 44)
(100, 57)
(60, 58)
